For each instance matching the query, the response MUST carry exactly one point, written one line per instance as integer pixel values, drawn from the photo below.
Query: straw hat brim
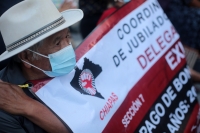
(71, 16)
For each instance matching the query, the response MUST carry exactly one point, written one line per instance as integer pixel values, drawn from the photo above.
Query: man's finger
(5, 85)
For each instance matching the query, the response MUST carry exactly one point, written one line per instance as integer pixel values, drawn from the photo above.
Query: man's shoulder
(12, 74)
(3, 75)
(6, 117)
(10, 123)
(17, 124)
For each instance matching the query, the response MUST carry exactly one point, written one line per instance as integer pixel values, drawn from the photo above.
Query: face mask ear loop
(32, 65)
(38, 53)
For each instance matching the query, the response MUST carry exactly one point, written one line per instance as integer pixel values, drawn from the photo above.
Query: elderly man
(36, 37)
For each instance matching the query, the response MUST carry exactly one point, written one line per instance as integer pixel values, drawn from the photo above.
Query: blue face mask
(125, 1)
(62, 62)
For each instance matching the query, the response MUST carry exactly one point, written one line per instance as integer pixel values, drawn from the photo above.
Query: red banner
(131, 76)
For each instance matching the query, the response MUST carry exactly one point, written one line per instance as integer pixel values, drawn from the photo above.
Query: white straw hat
(31, 21)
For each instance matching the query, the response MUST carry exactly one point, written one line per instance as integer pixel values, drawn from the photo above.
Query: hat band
(35, 34)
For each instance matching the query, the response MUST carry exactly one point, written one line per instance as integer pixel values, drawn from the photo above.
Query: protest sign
(131, 76)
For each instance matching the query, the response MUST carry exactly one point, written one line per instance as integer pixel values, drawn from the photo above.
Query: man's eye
(58, 43)
(68, 36)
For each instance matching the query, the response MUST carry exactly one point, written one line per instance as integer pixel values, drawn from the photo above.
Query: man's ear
(24, 56)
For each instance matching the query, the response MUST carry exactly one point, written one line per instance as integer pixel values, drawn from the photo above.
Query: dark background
(5, 5)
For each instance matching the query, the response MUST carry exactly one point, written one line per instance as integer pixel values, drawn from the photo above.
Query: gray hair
(36, 48)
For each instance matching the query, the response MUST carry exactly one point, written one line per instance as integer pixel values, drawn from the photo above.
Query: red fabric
(106, 14)
(38, 84)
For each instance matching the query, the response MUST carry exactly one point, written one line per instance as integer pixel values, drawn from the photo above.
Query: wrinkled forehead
(56, 37)
(58, 34)
(48, 45)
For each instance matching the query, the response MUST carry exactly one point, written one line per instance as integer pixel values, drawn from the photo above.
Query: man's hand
(68, 4)
(195, 3)
(195, 75)
(13, 100)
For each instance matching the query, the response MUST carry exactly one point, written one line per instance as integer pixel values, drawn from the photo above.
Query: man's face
(51, 45)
